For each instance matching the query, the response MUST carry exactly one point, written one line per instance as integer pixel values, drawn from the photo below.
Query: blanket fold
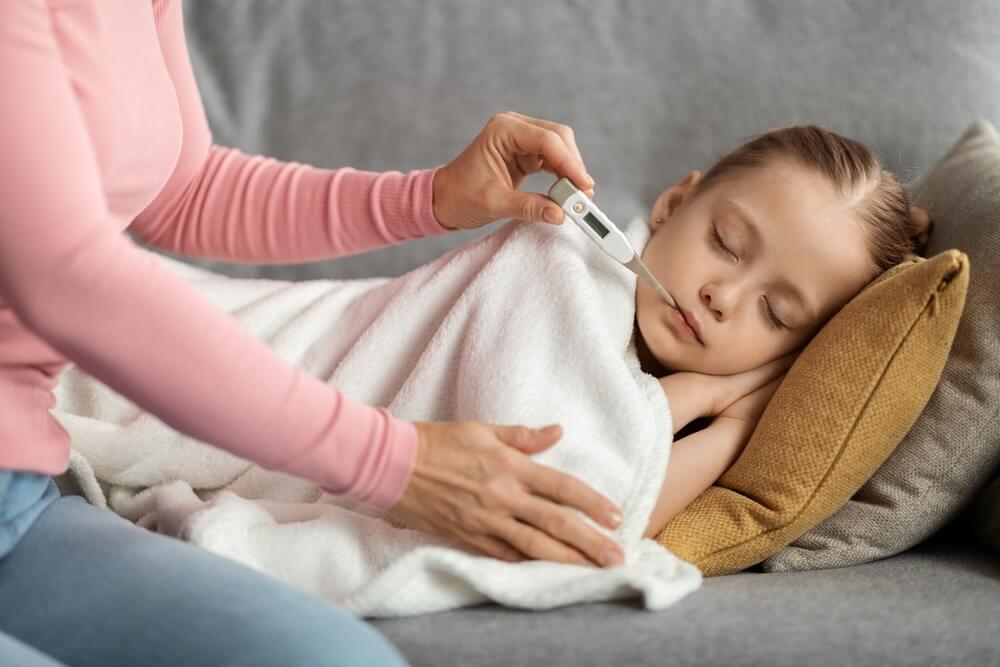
(529, 325)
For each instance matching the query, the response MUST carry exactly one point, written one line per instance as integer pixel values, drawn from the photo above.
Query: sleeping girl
(531, 324)
(759, 253)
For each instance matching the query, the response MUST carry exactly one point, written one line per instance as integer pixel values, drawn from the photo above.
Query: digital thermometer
(584, 212)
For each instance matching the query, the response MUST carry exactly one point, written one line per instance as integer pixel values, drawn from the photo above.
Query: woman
(103, 129)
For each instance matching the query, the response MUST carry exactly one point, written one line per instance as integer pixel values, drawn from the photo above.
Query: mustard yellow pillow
(844, 405)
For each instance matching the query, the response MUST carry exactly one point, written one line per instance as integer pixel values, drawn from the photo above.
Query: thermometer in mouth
(584, 212)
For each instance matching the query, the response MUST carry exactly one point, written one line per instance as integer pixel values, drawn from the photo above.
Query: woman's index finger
(537, 140)
(567, 490)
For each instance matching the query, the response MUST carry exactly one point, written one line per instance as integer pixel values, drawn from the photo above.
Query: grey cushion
(934, 605)
(953, 449)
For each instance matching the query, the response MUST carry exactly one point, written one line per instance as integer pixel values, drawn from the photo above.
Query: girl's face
(760, 261)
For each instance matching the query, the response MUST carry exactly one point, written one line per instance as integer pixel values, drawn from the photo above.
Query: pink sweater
(102, 128)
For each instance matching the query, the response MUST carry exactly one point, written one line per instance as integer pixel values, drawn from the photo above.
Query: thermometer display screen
(596, 225)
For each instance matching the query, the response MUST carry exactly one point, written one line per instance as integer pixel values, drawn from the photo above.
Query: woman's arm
(223, 204)
(122, 316)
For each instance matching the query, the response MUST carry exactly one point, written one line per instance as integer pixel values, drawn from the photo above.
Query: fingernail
(611, 558)
(551, 429)
(614, 518)
(550, 216)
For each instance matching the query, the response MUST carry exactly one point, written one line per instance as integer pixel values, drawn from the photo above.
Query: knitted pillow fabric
(843, 407)
(953, 450)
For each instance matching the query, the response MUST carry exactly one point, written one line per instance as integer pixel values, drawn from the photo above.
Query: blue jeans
(82, 586)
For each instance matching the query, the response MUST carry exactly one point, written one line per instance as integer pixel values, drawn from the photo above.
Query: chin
(656, 342)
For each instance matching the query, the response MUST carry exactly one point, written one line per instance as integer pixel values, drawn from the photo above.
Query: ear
(670, 199)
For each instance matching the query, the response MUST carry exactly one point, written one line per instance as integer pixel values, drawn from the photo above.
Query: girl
(759, 254)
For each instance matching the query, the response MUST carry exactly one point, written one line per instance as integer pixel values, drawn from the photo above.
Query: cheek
(675, 256)
(677, 259)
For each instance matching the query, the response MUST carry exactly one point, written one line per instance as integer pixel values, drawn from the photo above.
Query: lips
(687, 318)
(692, 322)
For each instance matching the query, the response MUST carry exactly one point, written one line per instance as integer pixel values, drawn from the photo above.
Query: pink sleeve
(80, 284)
(256, 209)
(224, 204)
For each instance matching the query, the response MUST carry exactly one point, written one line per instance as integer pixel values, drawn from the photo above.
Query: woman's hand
(480, 185)
(475, 484)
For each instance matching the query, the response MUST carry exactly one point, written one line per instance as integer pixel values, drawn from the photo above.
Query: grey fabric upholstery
(932, 605)
(652, 89)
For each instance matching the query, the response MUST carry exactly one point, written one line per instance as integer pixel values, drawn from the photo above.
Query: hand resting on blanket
(474, 480)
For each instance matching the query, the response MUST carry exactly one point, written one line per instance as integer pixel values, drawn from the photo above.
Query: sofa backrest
(652, 88)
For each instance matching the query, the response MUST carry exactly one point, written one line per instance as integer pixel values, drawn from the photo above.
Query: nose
(717, 300)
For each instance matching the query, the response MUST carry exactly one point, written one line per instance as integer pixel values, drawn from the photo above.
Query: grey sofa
(652, 89)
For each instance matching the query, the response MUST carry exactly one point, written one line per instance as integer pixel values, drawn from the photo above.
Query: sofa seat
(935, 604)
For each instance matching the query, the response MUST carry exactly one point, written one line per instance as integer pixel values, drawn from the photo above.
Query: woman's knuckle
(505, 462)
(455, 514)
(551, 139)
(473, 516)
(562, 487)
(524, 212)
(530, 546)
(495, 493)
(559, 523)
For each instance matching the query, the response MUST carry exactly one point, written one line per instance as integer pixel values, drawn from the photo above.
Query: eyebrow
(787, 286)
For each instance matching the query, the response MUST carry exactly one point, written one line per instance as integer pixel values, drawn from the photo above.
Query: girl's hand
(692, 395)
(749, 408)
(727, 390)
(480, 184)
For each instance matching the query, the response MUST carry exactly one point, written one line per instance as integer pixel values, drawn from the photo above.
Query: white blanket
(529, 325)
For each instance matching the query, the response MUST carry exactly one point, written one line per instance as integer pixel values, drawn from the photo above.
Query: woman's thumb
(529, 440)
(532, 206)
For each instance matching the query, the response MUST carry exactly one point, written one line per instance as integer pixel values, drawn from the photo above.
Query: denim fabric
(84, 587)
(23, 497)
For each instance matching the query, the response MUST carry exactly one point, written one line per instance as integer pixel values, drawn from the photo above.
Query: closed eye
(778, 324)
(771, 316)
(721, 244)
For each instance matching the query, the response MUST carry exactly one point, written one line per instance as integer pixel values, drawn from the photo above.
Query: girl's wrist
(690, 395)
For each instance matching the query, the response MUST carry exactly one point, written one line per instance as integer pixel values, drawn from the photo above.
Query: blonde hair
(896, 229)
